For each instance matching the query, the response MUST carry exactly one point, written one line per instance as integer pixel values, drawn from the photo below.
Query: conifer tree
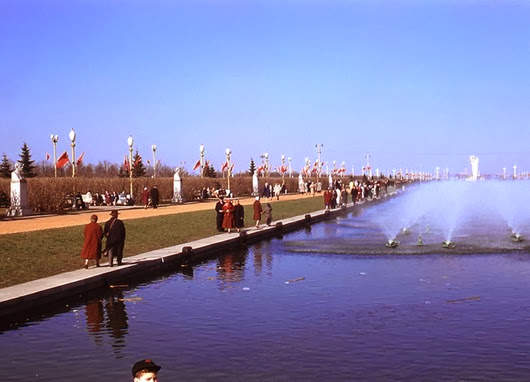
(5, 167)
(138, 166)
(252, 167)
(210, 172)
(28, 167)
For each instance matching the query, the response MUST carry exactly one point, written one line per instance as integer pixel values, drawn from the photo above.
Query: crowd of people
(338, 195)
(230, 214)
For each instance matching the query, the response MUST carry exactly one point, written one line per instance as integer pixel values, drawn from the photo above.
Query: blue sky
(415, 84)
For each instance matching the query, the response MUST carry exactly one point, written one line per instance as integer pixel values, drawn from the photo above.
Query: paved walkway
(42, 222)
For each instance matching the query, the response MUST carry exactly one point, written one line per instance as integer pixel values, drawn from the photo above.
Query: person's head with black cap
(145, 370)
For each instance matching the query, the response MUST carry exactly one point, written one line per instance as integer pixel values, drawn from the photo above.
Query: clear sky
(415, 84)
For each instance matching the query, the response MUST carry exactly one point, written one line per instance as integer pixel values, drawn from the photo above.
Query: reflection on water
(108, 317)
(268, 314)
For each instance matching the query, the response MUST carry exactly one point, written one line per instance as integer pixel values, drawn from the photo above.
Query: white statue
(255, 183)
(19, 194)
(17, 173)
(330, 181)
(301, 184)
(177, 186)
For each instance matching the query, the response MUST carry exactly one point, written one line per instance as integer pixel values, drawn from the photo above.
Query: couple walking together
(114, 231)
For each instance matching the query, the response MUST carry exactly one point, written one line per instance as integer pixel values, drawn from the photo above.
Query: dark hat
(114, 212)
(145, 364)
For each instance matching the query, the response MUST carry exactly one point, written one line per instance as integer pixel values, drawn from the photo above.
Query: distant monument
(474, 167)
(177, 186)
(19, 194)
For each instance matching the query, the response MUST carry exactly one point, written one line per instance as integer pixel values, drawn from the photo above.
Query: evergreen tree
(5, 167)
(252, 167)
(28, 167)
(138, 167)
(210, 172)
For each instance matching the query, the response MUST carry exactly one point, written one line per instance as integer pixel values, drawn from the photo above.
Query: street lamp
(153, 147)
(283, 169)
(55, 139)
(307, 167)
(266, 155)
(72, 139)
(228, 153)
(201, 149)
(319, 168)
(290, 168)
(130, 142)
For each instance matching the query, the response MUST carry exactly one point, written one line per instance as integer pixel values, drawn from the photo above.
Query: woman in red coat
(92, 244)
(228, 218)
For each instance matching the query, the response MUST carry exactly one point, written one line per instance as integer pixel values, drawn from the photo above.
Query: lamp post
(228, 153)
(319, 151)
(130, 142)
(266, 155)
(307, 167)
(290, 168)
(55, 139)
(72, 139)
(153, 147)
(283, 169)
(201, 149)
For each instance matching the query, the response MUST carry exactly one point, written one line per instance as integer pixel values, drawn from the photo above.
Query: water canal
(277, 311)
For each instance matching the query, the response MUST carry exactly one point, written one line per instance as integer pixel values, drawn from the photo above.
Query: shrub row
(47, 194)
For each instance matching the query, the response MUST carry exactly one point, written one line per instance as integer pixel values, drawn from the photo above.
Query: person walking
(258, 211)
(115, 233)
(145, 197)
(220, 215)
(154, 196)
(92, 244)
(145, 370)
(228, 218)
(268, 214)
(239, 216)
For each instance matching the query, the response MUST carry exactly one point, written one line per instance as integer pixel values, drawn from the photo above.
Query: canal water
(272, 312)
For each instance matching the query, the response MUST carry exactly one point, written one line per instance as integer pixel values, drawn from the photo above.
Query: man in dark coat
(154, 196)
(115, 233)
(239, 216)
(220, 214)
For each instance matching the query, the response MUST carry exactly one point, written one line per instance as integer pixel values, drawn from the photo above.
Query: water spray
(516, 237)
(448, 244)
(420, 241)
(405, 231)
(392, 243)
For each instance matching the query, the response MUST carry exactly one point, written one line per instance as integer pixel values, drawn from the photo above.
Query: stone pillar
(177, 186)
(19, 195)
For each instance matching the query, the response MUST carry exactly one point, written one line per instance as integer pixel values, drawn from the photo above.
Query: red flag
(197, 165)
(260, 169)
(137, 161)
(47, 156)
(232, 167)
(63, 159)
(80, 159)
(126, 163)
(225, 166)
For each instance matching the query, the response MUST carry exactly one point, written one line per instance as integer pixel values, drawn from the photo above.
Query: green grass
(33, 255)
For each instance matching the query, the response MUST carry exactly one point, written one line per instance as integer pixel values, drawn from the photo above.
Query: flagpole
(72, 138)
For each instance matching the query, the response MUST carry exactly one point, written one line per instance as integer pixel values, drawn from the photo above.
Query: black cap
(145, 364)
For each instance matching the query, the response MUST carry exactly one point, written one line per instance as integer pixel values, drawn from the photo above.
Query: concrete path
(42, 222)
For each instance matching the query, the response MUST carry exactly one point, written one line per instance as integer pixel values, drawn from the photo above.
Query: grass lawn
(33, 255)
